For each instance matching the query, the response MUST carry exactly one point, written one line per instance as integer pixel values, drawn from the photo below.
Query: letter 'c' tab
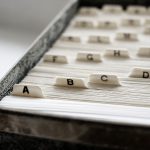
(104, 79)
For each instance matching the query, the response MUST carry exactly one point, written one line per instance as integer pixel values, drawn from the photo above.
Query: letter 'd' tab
(27, 90)
(140, 73)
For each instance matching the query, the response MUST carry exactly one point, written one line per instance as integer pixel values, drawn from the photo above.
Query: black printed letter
(54, 58)
(89, 56)
(104, 78)
(69, 81)
(25, 89)
(116, 53)
(145, 75)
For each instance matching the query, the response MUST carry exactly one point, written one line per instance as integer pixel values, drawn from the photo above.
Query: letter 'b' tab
(27, 90)
(70, 82)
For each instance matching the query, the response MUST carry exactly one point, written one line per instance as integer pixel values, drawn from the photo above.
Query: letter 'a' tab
(70, 82)
(104, 79)
(55, 58)
(140, 73)
(27, 90)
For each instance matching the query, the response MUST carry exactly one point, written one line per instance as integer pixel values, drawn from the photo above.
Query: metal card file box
(60, 131)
